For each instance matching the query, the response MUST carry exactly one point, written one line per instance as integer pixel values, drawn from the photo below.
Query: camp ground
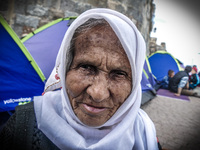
(161, 62)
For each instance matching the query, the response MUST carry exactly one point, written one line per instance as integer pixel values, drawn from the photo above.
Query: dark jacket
(194, 81)
(173, 83)
(21, 132)
(193, 78)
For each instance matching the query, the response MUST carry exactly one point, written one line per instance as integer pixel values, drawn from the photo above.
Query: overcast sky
(178, 25)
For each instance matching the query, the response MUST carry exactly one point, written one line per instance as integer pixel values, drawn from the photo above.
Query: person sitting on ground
(194, 79)
(179, 84)
(99, 67)
(165, 81)
(180, 81)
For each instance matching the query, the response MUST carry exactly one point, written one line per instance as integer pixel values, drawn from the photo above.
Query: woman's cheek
(75, 83)
(121, 90)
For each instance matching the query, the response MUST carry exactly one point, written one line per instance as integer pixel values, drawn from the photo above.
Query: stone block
(37, 10)
(40, 2)
(70, 14)
(81, 7)
(55, 14)
(27, 20)
(43, 22)
(52, 3)
(67, 5)
(18, 30)
(19, 6)
(98, 3)
(117, 5)
(30, 2)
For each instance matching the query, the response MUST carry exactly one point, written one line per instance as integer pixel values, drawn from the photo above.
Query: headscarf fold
(128, 128)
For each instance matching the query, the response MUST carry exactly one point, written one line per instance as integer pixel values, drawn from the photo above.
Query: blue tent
(20, 77)
(148, 83)
(148, 72)
(161, 62)
(44, 43)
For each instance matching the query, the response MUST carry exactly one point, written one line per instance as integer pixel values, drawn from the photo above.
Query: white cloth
(128, 128)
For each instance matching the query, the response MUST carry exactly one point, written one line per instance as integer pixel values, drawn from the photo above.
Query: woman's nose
(98, 90)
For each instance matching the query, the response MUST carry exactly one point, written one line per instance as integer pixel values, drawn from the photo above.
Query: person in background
(180, 81)
(194, 66)
(99, 67)
(194, 79)
(179, 84)
(166, 79)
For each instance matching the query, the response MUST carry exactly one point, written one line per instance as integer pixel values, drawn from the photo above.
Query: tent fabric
(44, 43)
(146, 85)
(148, 72)
(20, 77)
(161, 62)
(147, 96)
(148, 91)
(148, 82)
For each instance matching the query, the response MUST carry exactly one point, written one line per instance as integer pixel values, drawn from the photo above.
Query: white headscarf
(128, 128)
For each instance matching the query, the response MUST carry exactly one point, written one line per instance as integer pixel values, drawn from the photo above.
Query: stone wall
(25, 16)
(153, 46)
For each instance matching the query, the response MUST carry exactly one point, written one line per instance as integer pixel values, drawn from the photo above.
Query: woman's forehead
(98, 45)
(99, 36)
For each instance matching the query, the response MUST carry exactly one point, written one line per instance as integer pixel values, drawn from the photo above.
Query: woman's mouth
(93, 109)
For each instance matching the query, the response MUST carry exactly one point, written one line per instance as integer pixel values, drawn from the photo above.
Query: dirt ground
(177, 121)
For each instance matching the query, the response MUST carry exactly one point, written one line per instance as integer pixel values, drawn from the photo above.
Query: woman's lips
(93, 109)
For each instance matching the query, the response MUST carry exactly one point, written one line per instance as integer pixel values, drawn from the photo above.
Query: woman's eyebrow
(90, 61)
(121, 68)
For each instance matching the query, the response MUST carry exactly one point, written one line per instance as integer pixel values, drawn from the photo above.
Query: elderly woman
(99, 67)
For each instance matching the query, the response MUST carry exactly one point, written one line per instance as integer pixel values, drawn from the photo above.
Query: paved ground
(177, 122)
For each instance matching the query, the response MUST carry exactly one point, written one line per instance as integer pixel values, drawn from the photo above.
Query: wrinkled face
(99, 79)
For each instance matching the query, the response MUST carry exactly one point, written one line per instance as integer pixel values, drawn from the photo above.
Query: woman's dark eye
(118, 73)
(88, 68)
